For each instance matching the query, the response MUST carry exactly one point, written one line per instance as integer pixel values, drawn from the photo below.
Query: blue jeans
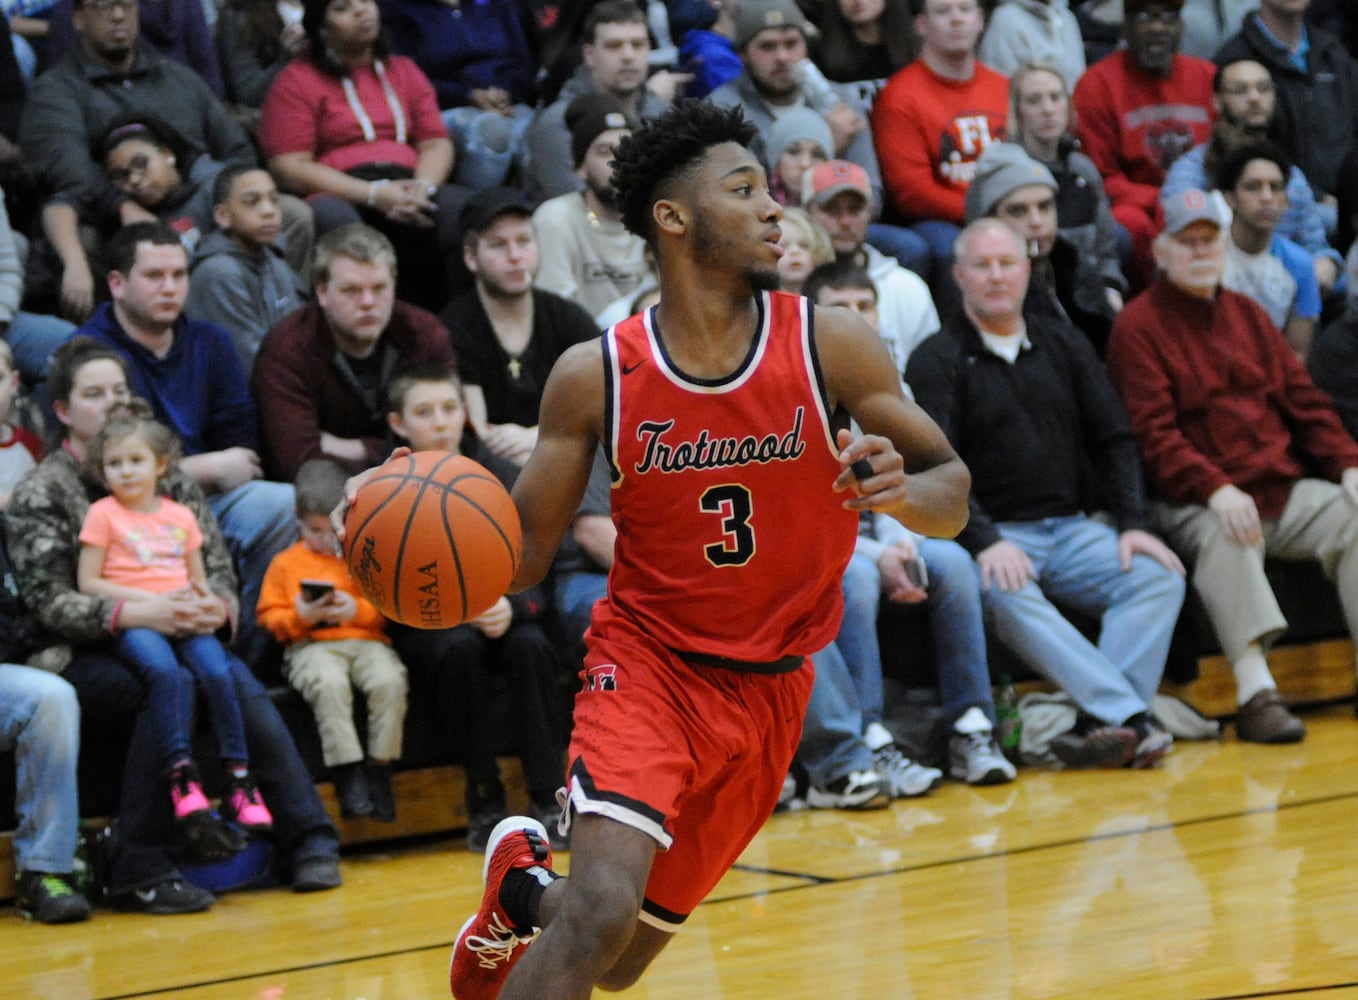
(258, 521)
(939, 236)
(1076, 560)
(157, 660)
(488, 143)
(40, 723)
(832, 736)
(955, 621)
(146, 832)
(576, 594)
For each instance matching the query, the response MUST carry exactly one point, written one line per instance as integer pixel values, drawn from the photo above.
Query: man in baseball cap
(1248, 458)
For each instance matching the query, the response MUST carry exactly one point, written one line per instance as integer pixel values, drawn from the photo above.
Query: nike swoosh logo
(146, 895)
(629, 370)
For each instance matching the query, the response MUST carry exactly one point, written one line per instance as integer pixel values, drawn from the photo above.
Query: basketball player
(723, 411)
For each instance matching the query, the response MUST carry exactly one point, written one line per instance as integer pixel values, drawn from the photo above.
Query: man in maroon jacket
(1230, 428)
(319, 374)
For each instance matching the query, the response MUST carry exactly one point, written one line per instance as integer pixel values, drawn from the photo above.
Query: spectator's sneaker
(207, 839)
(169, 897)
(1102, 746)
(488, 945)
(244, 805)
(977, 759)
(856, 790)
(380, 792)
(1265, 719)
(1153, 741)
(316, 874)
(485, 811)
(49, 899)
(187, 793)
(351, 788)
(903, 777)
(788, 799)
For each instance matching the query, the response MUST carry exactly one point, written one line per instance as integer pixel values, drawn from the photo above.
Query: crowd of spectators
(1109, 245)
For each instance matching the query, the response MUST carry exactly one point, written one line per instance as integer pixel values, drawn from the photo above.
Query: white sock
(1251, 674)
(876, 736)
(973, 720)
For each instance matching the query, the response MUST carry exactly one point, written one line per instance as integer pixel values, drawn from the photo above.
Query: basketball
(432, 539)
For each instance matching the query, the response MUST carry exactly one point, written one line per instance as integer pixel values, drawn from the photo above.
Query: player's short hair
(838, 275)
(666, 147)
(121, 252)
(357, 242)
(405, 379)
(319, 486)
(610, 12)
(226, 181)
(1233, 162)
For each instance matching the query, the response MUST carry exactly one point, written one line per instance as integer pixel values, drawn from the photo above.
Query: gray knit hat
(754, 16)
(1002, 167)
(794, 125)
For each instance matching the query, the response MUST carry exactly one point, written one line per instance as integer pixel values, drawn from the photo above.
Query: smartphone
(314, 590)
(917, 573)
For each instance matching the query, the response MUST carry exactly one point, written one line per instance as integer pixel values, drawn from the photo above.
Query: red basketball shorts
(692, 756)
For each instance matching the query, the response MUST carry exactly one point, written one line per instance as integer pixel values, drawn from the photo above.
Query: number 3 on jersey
(732, 502)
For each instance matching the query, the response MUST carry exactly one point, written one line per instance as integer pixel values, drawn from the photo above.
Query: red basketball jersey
(731, 540)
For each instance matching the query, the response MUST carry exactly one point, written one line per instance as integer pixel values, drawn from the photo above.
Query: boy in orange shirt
(336, 641)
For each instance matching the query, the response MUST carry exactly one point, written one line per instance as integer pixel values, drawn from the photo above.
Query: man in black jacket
(1317, 83)
(1026, 403)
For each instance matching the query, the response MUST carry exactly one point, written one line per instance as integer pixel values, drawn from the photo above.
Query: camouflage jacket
(42, 525)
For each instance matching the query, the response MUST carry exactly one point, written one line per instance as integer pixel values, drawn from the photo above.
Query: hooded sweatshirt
(245, 292)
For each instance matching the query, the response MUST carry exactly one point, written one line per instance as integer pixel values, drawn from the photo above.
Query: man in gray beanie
(1021, 192)
(588, 256)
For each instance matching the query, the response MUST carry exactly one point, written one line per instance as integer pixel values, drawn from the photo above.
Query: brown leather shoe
(1265, 719)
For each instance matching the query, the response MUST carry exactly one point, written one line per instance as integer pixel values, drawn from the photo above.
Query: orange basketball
(433, 539)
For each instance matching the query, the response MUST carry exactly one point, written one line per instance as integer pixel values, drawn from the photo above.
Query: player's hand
(896, 582)
(351, 487)
(873, 469)
(1006, 566)
(1238, 515)
(1132, 542)
(495, 622)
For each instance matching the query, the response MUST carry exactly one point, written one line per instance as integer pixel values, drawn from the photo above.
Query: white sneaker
(904, 778)
(856, 790)
(976, 759)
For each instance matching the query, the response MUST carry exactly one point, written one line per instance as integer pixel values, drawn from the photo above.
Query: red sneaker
(488, 944)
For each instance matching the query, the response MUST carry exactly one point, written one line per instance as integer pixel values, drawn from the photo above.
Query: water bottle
(1009, 728)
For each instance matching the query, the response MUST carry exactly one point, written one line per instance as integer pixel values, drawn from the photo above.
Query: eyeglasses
(106, 7)
(1163, 16)
(136, 167)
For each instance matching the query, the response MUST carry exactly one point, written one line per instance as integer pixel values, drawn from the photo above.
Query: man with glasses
(1231, 430)
(1245, 99)
(1317, 81)
(1140, 109)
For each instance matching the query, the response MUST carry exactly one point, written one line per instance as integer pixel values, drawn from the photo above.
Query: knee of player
(601, 909)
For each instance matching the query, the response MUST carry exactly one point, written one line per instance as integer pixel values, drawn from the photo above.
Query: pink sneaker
(244, 805)
(187, 794)
(488, 946)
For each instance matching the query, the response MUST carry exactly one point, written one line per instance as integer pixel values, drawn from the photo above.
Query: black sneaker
(485, 809)
(351, 788)
(166, 898)
(381, 796)
(316, 874)
(208, 839)
(49, 899)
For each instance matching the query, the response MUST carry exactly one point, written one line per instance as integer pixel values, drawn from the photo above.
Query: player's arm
(552, 483)
(917, 477)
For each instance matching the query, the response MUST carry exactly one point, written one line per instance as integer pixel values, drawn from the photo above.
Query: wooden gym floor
(1230, 872)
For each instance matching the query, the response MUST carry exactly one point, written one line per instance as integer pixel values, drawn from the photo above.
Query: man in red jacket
(319, 373)
(1230, 427)
(1140, 109)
